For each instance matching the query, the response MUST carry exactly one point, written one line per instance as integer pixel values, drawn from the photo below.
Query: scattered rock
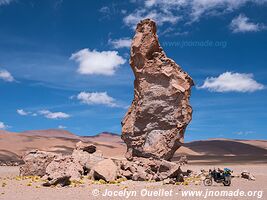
(35, 163)
(247, 175)
(63, 181)
(143, 169)
(168, 181)
(155, 124)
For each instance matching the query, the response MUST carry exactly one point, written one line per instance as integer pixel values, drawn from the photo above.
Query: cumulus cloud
(232, 82)
(163, 11)
(6, 76)
(242, 24)
(54, 115)
(3, 125)
(120, 43)
(97, 62)
(5, 2)
(96, 98)
(23, 112)
(46, 113)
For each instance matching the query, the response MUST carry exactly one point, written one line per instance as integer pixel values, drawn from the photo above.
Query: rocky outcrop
(143, 169)
(155, 124)
(58, 168)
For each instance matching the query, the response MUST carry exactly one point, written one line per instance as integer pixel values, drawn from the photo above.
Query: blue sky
(64, 64)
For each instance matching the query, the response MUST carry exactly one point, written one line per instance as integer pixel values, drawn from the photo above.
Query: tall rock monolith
(155, 123)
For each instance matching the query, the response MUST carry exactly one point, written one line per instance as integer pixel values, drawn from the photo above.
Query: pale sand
(18, 189)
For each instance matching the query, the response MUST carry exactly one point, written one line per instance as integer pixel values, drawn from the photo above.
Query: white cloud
(242, 24)
(3, 126)
(23, 112)
(62, 127)
(160, 17)
(5, 2)
(46, 113)
(232, 82)
(97, 98)
(6, 76)
(54, 115)
(163, 11)
(121, 43)
(95, 62)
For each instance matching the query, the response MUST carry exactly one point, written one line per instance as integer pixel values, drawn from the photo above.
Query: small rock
(168, 181)
(183, 160)
(89, 148)
(247, 175)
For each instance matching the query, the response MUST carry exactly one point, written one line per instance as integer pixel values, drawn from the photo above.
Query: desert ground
(238, 155)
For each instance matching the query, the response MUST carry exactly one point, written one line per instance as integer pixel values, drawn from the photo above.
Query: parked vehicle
(219, 176)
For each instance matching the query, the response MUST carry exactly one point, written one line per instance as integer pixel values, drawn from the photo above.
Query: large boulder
(106, 170)
(155, 124)
(62, 168)
(35, 163)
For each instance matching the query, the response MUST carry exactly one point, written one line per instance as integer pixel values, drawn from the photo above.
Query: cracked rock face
(155, 124)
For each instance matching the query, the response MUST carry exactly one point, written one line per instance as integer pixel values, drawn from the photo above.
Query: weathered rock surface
(35, 162)
(87, 160)
(64, 166)
(155, 124)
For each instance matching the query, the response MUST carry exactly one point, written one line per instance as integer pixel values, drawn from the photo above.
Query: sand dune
(14, 145)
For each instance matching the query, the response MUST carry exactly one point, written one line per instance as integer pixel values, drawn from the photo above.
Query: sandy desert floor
(12, 189)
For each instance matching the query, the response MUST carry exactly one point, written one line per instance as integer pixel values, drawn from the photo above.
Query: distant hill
(13, 145)
(50, 133)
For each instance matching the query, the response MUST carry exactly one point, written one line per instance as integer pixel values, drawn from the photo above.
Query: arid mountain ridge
(13, 145)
